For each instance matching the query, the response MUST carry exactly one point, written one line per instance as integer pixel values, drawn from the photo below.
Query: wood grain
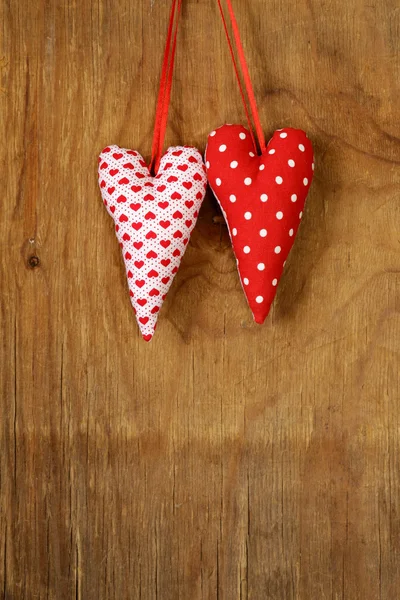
(224, 460)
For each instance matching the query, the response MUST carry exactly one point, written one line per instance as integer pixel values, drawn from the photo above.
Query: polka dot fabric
(262, 198)
(154, 217)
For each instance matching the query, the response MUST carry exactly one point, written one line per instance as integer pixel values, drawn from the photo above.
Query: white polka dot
(291, 163)
(242, 136)
(300, 214)
(279, 180)
(293, 197)
(263, 197)
(232, 198)
(263, 232)
(259, 299)
(283, 135)
(246, 281)
(246, 249)
(272, 151)
(313, 166)
(261, 167)
(218, 181)
(247, 215)
(208, 164)
(279, 215)
(252, 154)
(291, 232)
(234, 231)
(277, 249)
(261, 266)
(212, 133)
(248, 181)
(284, 263)
(274, 282)
(301, 148)
(305, 181)
(234, 164)
(222, 148)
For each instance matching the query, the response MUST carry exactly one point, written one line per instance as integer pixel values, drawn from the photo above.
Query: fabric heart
(154, 217)
(262, 198)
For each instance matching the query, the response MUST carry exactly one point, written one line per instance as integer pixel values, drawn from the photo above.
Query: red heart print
(152, 249)
(262, 198)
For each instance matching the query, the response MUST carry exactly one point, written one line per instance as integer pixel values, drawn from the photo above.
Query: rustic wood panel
(224, 460)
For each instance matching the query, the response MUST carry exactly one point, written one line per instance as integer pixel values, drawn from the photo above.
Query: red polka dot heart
(262, 198)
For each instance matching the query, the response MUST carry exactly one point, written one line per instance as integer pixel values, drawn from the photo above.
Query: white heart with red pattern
(154, 217)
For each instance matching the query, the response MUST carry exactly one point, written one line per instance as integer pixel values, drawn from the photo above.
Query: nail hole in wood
(33, 262)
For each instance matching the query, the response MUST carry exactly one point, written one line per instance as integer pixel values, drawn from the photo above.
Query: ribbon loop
(245, 73)
(164, 93)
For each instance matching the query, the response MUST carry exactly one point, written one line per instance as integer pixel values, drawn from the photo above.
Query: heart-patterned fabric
(154, 217)
(262, 198)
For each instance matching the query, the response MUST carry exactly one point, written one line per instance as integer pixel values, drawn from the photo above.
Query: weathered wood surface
(223, 460)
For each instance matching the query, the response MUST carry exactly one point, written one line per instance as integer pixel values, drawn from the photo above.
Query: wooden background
(224, 460)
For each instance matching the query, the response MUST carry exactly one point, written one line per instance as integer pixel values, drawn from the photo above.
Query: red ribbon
(246, 75)
(164, 94)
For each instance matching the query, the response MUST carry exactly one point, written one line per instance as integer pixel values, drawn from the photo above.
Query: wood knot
(33, 262)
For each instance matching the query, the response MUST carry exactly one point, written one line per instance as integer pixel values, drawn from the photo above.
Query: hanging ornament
(262, 195)
(154, 208)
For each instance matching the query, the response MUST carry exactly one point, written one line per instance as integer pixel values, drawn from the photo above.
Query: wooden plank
(223, 460)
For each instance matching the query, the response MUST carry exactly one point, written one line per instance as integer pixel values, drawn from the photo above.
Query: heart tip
(147, 338)
(259, 320)
(259, 317)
